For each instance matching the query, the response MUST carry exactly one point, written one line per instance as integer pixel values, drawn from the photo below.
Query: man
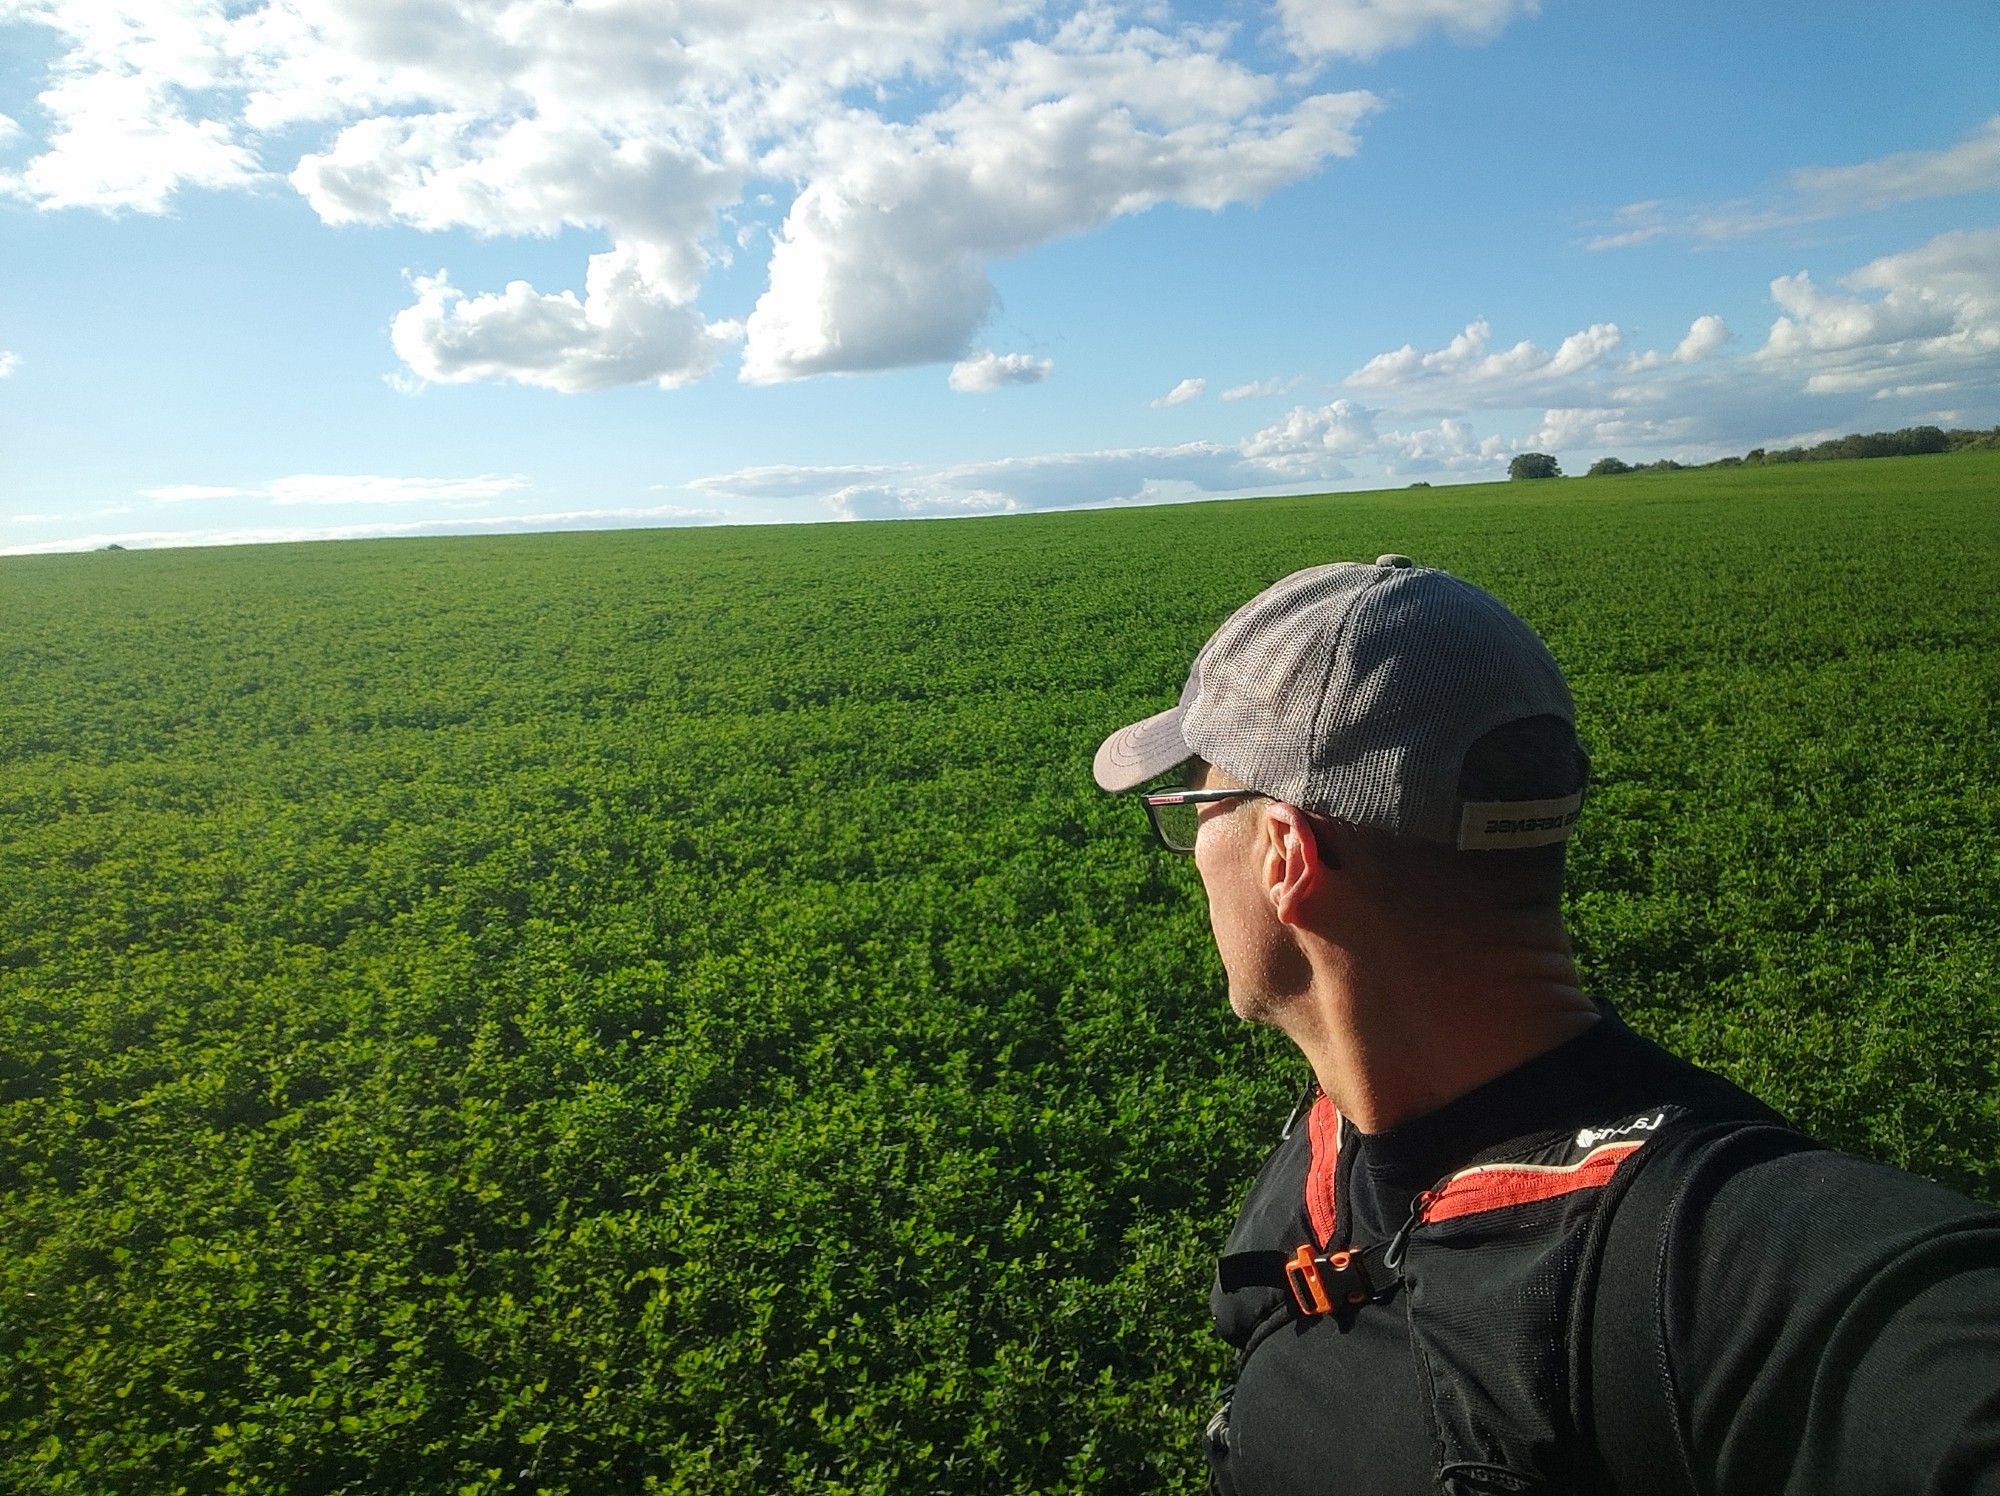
(1513, 1246)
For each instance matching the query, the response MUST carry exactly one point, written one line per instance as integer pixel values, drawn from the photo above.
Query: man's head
(1410, 751)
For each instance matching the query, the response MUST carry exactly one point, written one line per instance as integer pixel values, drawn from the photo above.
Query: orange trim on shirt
(1495, 1186)
(1323, 1132)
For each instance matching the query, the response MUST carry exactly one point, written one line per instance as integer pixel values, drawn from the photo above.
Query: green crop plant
(670, 1010)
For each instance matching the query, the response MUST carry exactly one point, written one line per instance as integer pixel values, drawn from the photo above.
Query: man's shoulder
(1750, 1277)
(1762, 1201)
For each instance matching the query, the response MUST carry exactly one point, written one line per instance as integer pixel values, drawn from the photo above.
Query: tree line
(1909, 441)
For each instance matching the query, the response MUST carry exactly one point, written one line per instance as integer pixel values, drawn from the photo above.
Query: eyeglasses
(1176, 814)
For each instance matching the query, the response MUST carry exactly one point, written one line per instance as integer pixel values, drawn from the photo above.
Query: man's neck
(1406, 1030)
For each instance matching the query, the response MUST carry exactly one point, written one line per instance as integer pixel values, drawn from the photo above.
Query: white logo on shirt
(1590, 1137)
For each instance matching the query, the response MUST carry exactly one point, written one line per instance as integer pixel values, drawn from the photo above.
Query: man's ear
(1295, 862)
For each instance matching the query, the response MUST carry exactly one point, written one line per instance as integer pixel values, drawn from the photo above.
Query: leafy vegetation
(670, 1010)
(1910, 441)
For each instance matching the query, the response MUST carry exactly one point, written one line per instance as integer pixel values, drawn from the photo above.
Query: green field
(670, 1010)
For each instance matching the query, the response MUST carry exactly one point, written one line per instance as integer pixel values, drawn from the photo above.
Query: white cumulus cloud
(1310, 442)
(628, 328)
(1582, 350)
(1180, 394)
(526, 177)
(1924, 316)
(1317, 443)
(1583, 428)
(887, 153)
(987, 370)
(882, 259)
(1452, 445)
(1465, 360)
(1706, 336)
(120, 139)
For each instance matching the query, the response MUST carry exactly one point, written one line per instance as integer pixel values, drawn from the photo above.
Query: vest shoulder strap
(1504, 1268)
(1626, 1399)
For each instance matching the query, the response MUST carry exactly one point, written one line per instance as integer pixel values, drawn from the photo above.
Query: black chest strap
(1311, 1285)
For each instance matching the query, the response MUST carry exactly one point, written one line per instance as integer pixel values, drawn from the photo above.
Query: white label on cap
(1495, 825)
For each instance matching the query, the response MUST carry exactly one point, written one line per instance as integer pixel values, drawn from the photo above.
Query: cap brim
(1145, 750)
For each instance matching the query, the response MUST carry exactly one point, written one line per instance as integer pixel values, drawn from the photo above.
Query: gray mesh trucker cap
(1355, 691)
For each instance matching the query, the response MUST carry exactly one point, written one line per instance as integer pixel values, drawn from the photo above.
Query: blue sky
(296, 270)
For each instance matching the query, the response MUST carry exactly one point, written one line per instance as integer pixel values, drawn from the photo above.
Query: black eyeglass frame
(1158, 798)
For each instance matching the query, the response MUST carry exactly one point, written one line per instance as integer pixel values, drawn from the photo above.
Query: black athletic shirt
(1832, 1326)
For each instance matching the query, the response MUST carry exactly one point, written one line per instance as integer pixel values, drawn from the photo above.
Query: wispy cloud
(788, 481)
(572, 519)
(1180, 394)
(1971, 165)
(1012, 485)
(1814, 193)
(1259, 389)
(1310, 449)
(370, 488)
(348, 488)
(184, 493)
(1365, 29)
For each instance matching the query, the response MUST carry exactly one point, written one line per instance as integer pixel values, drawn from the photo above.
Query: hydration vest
(1497, 1263)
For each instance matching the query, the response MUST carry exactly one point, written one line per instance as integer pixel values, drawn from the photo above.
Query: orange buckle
(1302, 1273)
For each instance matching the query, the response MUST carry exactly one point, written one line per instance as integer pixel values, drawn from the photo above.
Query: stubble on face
(1265, 968)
